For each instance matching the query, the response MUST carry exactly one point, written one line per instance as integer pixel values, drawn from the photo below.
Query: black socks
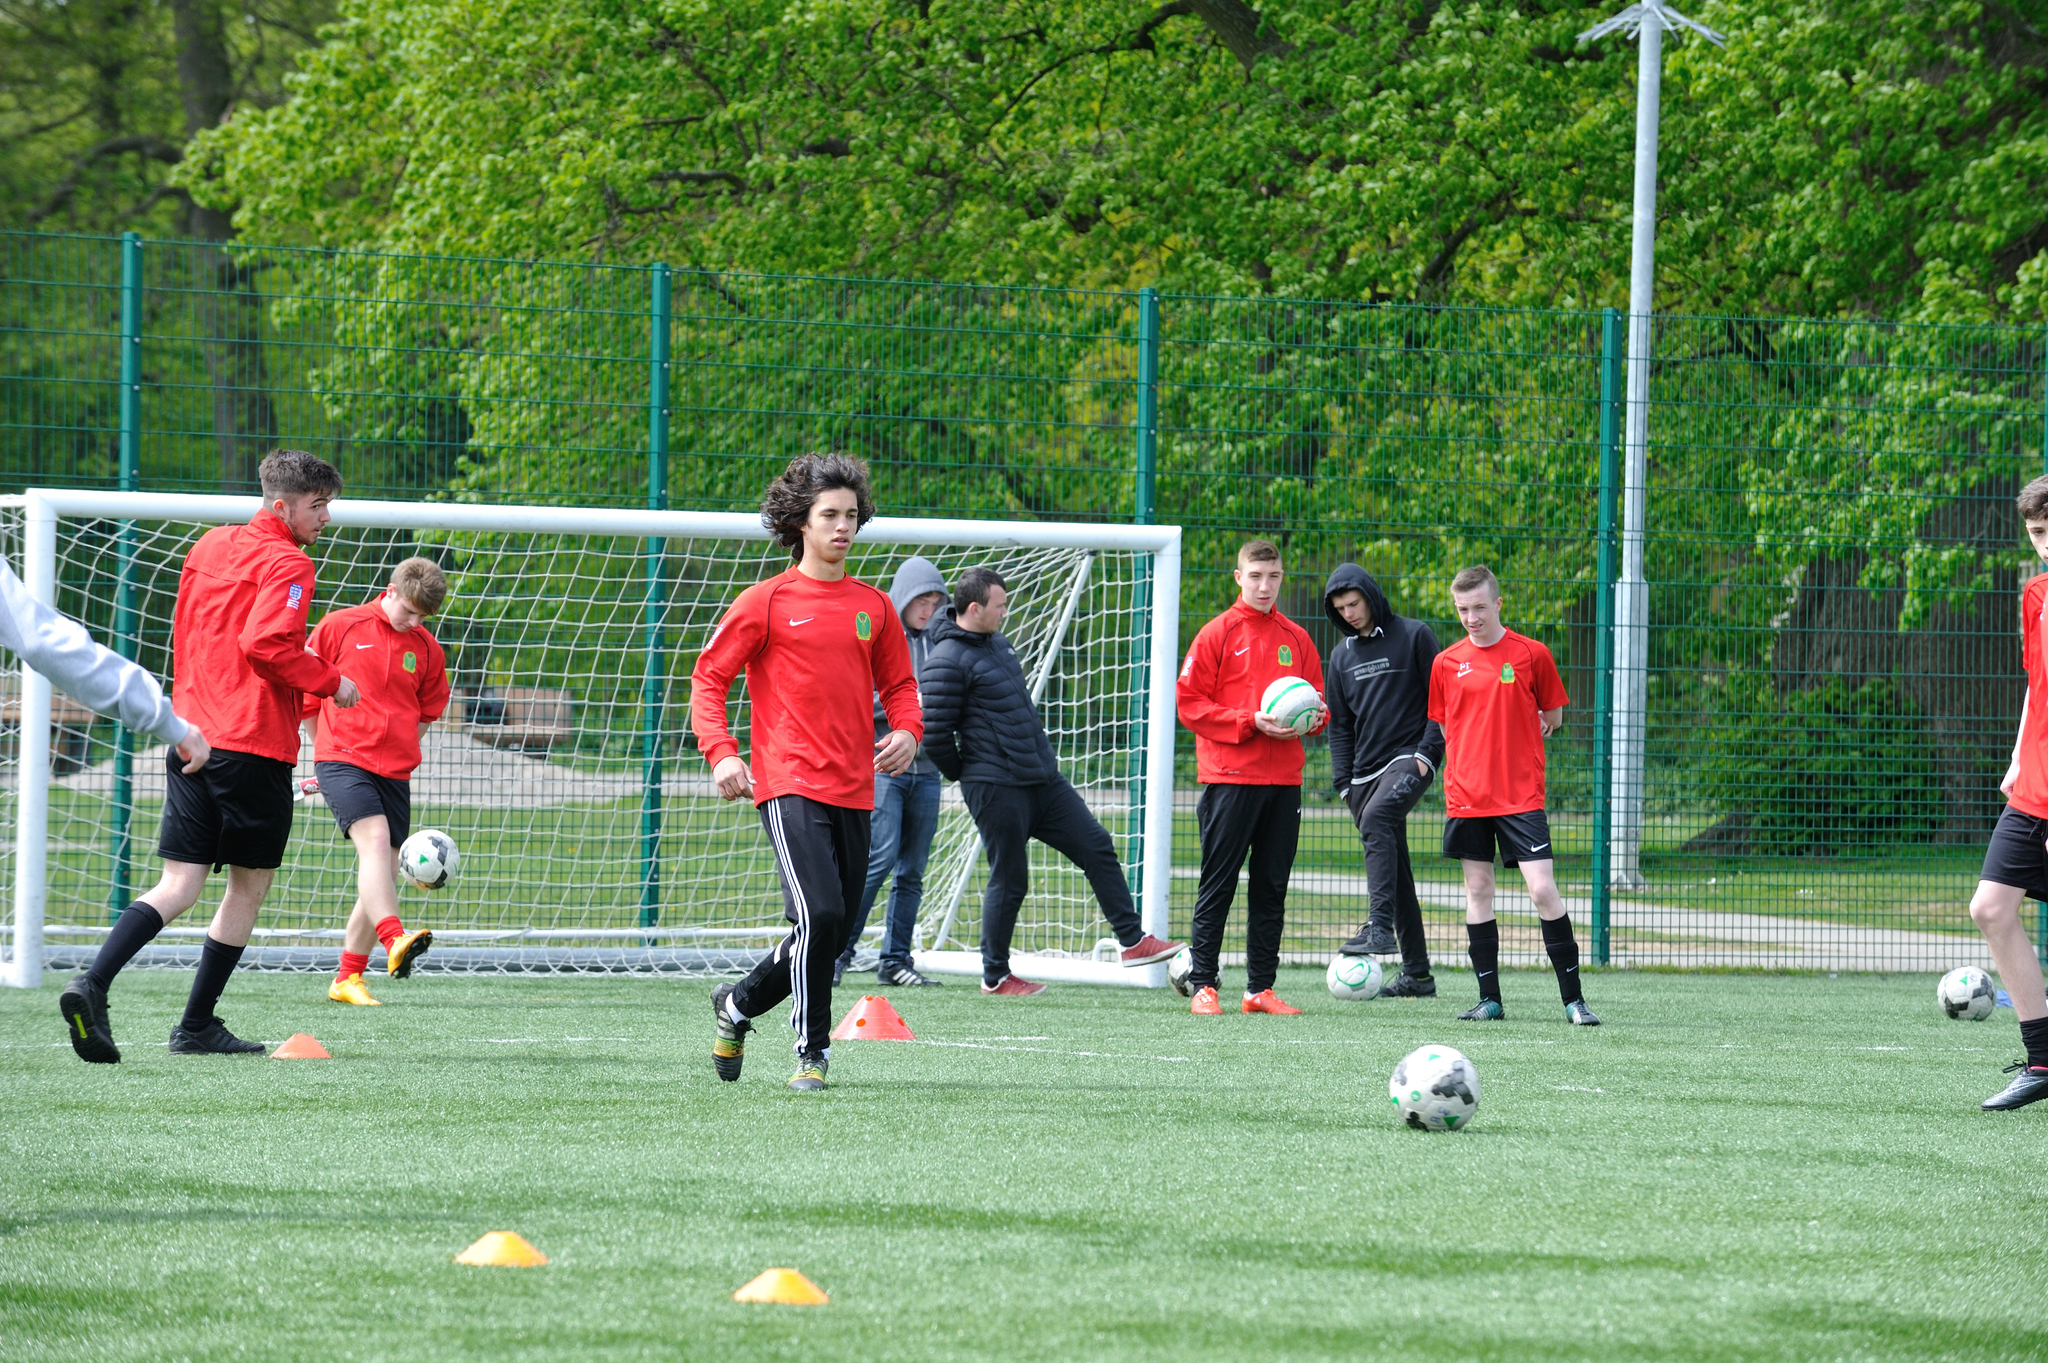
(217, 961)
(2035, 1035)
(1563, 950)
(135, 929)
(1484, 945)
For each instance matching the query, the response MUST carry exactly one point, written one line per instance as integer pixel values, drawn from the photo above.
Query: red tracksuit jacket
(815, 653)
(1233, 660)
(404, 681)
(238, 639)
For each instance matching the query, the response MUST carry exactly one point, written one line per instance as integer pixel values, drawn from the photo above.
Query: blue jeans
(906, 818)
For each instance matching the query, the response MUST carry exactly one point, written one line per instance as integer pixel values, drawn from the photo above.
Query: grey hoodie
(1377, 686)
(916, 577)
(58, 647)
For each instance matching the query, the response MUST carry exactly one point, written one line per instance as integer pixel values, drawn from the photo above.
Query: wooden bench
(526, 719)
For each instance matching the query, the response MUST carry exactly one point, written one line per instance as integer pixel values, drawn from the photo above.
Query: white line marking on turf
(1049, 1050)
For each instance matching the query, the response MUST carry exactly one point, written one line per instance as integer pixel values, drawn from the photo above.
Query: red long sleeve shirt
(815, 654)
(238, 639)
(2030, 790)
(404, 680)
(1234, 658)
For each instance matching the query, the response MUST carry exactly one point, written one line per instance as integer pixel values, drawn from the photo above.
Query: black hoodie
(1377, 686)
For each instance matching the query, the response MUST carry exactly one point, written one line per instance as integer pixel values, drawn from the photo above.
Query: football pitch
(1735, 1167)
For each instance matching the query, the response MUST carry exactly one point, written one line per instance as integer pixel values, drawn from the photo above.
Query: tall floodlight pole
(1645, 23)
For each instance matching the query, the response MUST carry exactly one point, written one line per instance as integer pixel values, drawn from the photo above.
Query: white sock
(732, 1010)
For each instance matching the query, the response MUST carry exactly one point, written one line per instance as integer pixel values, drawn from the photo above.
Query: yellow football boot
(406, 948)
(352, 990)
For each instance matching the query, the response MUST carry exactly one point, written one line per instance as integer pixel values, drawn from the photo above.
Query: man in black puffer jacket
(981, 729)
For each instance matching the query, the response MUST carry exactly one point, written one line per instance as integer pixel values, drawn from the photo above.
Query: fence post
(125, 641)
(1612, 381)
(654, 685)
(1144, 496)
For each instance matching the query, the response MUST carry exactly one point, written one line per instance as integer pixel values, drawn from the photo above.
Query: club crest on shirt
(295, 597)
(1507, 674)
(1286, 656)
(410, 662)
(863, 628)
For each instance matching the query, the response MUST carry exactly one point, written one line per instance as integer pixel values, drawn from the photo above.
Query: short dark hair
(1473, 578)
(972, 588)
(1258, 551)
(294, 473)
(2033, 500)
(786, 506)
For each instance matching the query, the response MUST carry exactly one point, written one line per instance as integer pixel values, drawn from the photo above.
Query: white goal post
(592, 837)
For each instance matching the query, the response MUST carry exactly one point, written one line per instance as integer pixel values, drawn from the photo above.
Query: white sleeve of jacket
(59, 648)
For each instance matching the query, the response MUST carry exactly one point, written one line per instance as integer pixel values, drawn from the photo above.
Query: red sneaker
(1206, 1003)
(1148, 950)
(1012, 985)
(1266, 1001)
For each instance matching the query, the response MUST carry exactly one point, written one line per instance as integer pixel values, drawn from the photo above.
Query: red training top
(1234, 658)
(238, 639)
(2030, 790)
(404, 681)
(1487, 699)
(815, 653)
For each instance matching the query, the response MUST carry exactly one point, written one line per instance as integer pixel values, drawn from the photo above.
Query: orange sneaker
(1266, 1001)
(1206, 1003)
(1010, 984)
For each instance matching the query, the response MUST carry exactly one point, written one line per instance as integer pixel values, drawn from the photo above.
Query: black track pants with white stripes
(821, 852)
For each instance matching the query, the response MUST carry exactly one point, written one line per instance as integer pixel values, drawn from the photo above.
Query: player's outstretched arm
(60, 648)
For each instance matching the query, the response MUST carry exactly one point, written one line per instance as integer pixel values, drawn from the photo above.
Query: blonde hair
(421, 583)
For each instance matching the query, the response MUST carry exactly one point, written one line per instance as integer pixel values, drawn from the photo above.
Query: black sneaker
(729, 1051)
(810, 1073)
(838, 971)
(1406, 986)
(2029, 1085)
(212, 1039)
(906, 974)
(1489, 1010)
(84, 1006)
(1372, 940)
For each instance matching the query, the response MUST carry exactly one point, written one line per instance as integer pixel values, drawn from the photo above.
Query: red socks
(353, 963)
(390, 930)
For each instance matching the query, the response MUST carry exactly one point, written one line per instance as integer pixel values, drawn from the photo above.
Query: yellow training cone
(784, 1286)
(503, 1248)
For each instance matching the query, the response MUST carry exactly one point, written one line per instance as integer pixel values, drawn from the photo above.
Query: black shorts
(353, 793)
(234, 811)
(2016, 856)
(1522, 837)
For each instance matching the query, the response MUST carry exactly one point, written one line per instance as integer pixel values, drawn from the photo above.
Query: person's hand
(2012, 778)
(347, 695)
(1272, 728)
(895, 753)
(734, 781)
(194, 749)
(1421, 768)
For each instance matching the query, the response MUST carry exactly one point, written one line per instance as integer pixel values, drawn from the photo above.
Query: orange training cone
(783, 1287)
(502, 1249)
(872, 1019)
(301, 1047)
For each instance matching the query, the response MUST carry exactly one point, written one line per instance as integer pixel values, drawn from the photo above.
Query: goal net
(591, 836)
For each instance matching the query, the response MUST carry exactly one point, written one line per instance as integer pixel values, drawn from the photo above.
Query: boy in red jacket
(1498, 696)
(1250, 770)
(817, 646)
(238, 647)
(365, 757)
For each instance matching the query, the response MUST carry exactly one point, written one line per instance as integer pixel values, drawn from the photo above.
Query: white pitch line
(1050, 1050)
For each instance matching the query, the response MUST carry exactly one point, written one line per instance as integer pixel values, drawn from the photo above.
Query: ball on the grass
(1178, 968)
(1294, 703)
(429, 859)
(1353, 977)
(1967, 994)
(1435, 1088)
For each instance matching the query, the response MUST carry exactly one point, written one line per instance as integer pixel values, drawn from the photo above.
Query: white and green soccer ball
(1967, 994)
(1179, 967)
(1294, 703)
(1435, 1088)
(429, 859)
(1354, 977)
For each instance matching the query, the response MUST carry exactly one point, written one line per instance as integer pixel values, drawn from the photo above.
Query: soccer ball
(1966, 993)
(1293, 702)
(428, 859)
(1435, 1089)
(1178, 968)
(1353, 977)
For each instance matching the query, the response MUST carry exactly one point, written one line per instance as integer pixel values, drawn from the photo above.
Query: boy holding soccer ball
(2016, 862)
(1497, 696)
(365, 756)
(1250, 766)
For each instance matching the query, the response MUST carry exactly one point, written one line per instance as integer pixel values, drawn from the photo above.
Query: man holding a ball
(1249, 671)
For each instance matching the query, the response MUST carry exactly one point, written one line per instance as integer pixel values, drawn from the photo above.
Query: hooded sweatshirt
(917, 577)
(1377, 687)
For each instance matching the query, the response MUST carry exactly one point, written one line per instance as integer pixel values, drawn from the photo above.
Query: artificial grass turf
(1735, 1167)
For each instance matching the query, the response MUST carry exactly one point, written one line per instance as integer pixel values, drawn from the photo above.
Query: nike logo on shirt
(365, 645)
(805, 621)
(1241, 652)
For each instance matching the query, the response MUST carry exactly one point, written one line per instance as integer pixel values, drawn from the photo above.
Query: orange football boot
(1206, 1003)
(1266, 1001)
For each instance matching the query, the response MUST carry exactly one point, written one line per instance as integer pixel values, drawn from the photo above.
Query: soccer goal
(591, 836)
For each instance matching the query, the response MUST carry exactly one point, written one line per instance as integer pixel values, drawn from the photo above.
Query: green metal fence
(1831, 549)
